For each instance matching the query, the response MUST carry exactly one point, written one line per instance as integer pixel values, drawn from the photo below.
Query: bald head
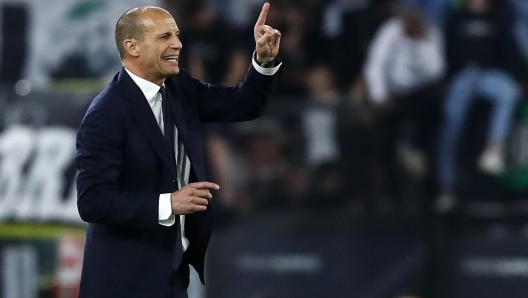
(130, 25)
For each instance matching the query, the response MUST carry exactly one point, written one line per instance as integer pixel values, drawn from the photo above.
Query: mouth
(173, 59)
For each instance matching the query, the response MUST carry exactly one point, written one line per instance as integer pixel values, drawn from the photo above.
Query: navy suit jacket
(124, 165)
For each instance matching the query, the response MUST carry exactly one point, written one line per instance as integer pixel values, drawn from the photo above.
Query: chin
(174, 71)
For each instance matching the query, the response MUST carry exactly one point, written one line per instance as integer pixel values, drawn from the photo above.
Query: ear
(132, 47)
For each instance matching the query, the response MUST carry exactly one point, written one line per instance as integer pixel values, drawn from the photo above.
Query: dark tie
(168, 124)
(181, 161)
(168, 127)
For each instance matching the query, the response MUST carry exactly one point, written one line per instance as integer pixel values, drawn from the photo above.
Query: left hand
(267, 39)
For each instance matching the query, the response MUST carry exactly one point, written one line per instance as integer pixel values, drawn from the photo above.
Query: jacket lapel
(145, 118)
(179, 120)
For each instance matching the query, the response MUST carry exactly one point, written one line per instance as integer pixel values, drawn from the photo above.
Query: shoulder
(184, 83)
(393, 26)
(183, 77)
(389, 31)
(107, 105)
(106, 100)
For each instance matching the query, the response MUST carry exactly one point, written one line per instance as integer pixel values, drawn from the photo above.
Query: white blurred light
(23, 87)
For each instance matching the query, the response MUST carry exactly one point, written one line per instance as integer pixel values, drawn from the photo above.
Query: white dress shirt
(151, 93)
(397, 65)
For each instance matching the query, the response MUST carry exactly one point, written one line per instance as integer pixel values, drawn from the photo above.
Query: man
(404, 59)
(483, 62)
(140, 159)
(403, 70)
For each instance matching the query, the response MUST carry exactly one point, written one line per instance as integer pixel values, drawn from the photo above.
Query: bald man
(140, 157)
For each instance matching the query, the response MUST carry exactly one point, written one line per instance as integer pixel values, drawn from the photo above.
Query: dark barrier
(491, 268)
(287, 255)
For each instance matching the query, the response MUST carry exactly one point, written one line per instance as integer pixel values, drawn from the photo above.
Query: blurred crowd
(372, 103)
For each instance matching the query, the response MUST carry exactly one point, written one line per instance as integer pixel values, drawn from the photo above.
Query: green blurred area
(39, 231)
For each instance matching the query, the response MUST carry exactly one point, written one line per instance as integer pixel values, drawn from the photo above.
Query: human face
(160, 49)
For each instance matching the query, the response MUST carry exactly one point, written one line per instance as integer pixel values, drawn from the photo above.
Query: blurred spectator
(301, 42)
(347, 27)
(212, 52)
(405, 57)
(266, 175)
(320, 116)
(357, 137)
(521, 26)
(326, 178)
(484, 62)
(266, 168)
(404, 66)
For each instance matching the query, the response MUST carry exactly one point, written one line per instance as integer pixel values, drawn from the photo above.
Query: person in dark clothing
(216, 53)
(484, 61)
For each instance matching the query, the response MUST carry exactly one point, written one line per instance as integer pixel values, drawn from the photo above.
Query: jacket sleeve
(244, 102)
(99, 161)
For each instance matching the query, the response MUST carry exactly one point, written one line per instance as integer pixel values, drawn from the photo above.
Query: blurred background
(391, 162)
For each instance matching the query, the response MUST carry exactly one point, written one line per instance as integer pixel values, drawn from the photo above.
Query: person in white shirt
(403, 72)
(405, 56)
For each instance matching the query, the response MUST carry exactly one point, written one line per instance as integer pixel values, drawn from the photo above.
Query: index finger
(262, 17)
(205, 185)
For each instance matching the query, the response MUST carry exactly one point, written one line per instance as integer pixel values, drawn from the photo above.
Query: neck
(138, 71)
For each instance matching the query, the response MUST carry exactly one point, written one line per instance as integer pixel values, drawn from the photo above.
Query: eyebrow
(166, 33)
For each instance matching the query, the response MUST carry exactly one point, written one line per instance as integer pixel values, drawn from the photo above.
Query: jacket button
(174, 181)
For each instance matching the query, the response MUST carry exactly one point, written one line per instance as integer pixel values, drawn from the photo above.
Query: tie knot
(163, 93)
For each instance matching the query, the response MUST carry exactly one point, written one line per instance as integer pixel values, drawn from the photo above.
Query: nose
(176, 43)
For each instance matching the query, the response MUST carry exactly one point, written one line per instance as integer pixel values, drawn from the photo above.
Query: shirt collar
(148, 88)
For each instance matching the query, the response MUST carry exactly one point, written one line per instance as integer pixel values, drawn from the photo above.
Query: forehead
(156, 21)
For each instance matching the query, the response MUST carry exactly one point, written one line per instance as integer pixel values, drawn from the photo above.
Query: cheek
(154, 59)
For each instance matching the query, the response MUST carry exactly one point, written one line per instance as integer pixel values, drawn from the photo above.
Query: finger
(205, 185)
(199, 201)
(264, 39)
(198, 208)
(273, 35)
(262, 17)
(203, 193)
(277, 38)
(266, 28)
